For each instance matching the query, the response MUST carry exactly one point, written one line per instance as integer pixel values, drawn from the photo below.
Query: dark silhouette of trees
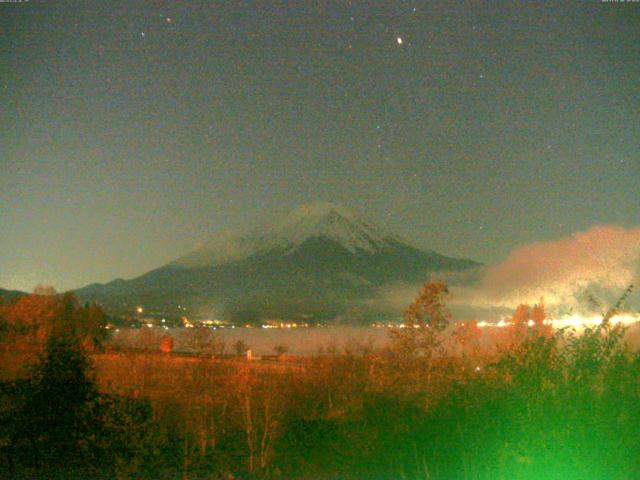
(33, 318)
(521, 402)
(57, 425)
(240, 347)
(52, 422)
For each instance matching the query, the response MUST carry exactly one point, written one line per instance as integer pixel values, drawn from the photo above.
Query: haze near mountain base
(320, 263)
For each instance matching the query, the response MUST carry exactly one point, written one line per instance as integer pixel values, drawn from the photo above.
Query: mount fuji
(321, 262)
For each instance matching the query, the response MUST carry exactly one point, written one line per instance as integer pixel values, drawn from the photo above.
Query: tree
(45, 290)
(538, 313)
(61, 427)
(166, 344)
(202, 341)
(412, 349)
(51, 423)
(429, 308)
(240, 347)
(147, 339)
(38, 316)
(280, 350)
(521, 316)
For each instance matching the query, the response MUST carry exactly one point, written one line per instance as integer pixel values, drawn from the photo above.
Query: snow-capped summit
(328, 221)
(319, 262)
(310, 221)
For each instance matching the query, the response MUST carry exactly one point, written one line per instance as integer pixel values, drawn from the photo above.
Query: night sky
(132, 131)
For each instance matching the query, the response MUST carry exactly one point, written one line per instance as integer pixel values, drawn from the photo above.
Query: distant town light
(139, 309)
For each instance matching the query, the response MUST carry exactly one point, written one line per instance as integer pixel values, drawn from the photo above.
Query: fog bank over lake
(316, 340)
(262, 341)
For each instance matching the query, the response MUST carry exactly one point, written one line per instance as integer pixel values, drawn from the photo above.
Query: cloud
(583, 273)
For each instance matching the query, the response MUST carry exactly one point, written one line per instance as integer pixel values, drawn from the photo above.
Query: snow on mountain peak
(326, 220)
(316, 220)
(318, 211)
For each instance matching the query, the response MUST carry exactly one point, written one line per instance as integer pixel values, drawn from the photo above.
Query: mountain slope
(320, 261)
(9, 295)
(319, 220)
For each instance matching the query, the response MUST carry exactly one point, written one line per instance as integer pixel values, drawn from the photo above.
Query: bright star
(399, 40)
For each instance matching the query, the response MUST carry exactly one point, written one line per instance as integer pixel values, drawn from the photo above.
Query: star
(399, 40)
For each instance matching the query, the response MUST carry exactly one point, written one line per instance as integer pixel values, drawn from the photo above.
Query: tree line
(439, 402)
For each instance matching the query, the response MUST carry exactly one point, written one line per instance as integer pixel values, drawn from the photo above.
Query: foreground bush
(438, 403)
(557, 406)
(55, 424)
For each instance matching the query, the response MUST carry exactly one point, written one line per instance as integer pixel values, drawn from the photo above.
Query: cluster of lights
(395, 325)
(212, 323)
(285, 325)
(576, 321)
